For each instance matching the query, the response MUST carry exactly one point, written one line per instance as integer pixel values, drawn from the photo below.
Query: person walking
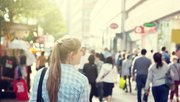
(90, 71)
(99, 64)
(175, 68)
(108, 75)
(165, 55)
(126, 72)
(141, 65)
(121, 58)
(41, 61)
(156, 75)
(62, 82)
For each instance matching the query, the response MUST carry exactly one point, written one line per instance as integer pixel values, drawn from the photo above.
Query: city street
(92, 36)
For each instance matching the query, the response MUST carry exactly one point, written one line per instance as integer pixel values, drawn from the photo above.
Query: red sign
(145, 30)
(114, 26)
(139, 29)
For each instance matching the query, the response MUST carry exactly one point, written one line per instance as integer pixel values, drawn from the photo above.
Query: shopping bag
(122, 83)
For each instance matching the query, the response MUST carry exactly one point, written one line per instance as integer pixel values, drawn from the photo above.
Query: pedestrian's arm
(100, 75)
(37, 62)
(133, 67)
(149, 79)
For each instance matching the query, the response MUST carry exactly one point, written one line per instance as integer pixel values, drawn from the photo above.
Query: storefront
(149, 11)
(162, 12)
(14, 53)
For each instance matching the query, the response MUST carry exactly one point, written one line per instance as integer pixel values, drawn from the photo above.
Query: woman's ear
(70, 58)
(71, 55)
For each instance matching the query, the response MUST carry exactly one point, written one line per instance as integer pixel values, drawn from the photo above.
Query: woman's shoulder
(152, 66)
(79, 79)
(106, 65)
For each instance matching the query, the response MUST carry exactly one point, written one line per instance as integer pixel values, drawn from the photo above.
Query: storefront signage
(139, 29)
(151, 24)
(114, 26)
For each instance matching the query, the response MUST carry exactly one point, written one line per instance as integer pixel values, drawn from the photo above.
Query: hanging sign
(139, 29)
(114, 26)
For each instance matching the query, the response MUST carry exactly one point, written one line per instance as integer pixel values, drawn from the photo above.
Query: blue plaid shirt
(74, 86)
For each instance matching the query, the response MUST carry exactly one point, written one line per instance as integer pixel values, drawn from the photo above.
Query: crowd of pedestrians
(77, 75)
(152, 68)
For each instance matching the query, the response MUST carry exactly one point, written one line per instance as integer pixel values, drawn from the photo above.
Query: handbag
(106, 73)
(39, 93)
(122, 83)
(176, 69)
(169, 80)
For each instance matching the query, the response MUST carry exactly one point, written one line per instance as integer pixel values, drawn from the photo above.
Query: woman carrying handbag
(108, 75)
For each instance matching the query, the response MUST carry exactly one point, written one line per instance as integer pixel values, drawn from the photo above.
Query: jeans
(160, 93)
(100, 91)
(141, 81)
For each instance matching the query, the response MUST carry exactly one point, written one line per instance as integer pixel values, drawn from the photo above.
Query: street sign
(114, 26)
(139, 29)
(151, 24)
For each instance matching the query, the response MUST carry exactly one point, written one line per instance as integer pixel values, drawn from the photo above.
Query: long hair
(158, 59)
(109, 60)
(59, 55)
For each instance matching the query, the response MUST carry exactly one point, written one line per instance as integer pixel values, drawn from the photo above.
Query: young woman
(156, 75)
(62, 82)
(41, 61)
(108, 75)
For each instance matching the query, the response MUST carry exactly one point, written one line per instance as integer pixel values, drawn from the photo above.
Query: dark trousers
(100, 91)
(129, 83)
(175, 91)
(93, 91)
(160, 93)
(141, 81)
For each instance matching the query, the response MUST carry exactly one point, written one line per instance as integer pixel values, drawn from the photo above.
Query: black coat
(90, 71)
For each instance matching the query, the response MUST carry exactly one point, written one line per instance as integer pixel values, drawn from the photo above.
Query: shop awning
(175, 36)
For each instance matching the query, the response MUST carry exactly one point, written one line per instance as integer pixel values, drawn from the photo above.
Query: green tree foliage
(46, 12)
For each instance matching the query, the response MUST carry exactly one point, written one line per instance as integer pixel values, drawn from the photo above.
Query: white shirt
(110, 77)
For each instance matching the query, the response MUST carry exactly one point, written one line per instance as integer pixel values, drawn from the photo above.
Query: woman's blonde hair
(59, 55)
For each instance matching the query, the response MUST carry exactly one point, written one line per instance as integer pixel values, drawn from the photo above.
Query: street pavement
(120, 96)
